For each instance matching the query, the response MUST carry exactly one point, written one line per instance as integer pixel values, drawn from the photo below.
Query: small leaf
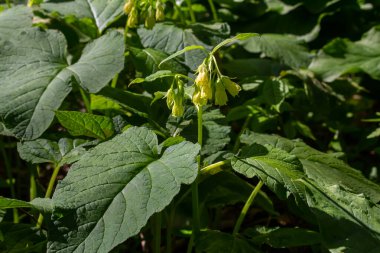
(41, 204)
(186, 49)
(86, 124)
(241, 36)
(121, 181)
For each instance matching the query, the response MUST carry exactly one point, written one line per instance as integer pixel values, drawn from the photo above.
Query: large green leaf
(101, 12)
(21, 238)
(47, 151)
(110, 193)
(342, 56)
(332, 191)
(286, 48)
(170, 39)
(11, 20)
(37, 78)
(86, 124)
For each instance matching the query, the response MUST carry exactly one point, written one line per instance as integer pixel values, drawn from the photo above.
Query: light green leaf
(171, 39)
(102, 103)
(110, 193)
(157, 75)
(342, 56)
(186, 49)
(286, 48)
(86, 124)
(37, 78)
(215, 242)
(41, 204)
(47, 151)
(101, 12)
(13, 19)
(283, 237)
(21, 238)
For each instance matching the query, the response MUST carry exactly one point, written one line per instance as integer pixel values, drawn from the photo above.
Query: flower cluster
(210, 84)
(151, 13)
(175, 97)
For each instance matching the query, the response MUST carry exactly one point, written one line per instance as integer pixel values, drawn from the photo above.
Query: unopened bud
(197, 99)
(128, 6)
(203, 82)
(133, 18)
(170, 98)
(232, 87)
(150, 19)
(160, 14)
(220, 94)
(177, 110)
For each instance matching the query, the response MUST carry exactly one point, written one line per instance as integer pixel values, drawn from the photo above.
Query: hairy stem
(33, 186)
(49, 192)
(213, 10)
(192, 15)
(245, 125)
(246, 208)
(157, 233)
(169, 228)
(8, 171)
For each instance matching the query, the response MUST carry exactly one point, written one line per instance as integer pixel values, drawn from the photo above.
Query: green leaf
(286, 48)
(13, 19)
(215, 242)
(341, 56)
(121, 181)
(101, 12)
(102, 103)
(157, 75)
(37, 82)
(147, 61)
(41, 204)
(241, 37)
(171, 39)
(21, 238)
(47, 151)
(178, 53)
(283, 237)
(86, 124)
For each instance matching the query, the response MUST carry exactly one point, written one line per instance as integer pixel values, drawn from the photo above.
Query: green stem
(213, 166)
(8, 3)
(192, 16)
(49, 191)
(86, 101)
(213, 10)
(245, 125)
(191, 244)
(114, 81)
(169, 228)
(246, 208)
(157, 233)
(126, 29)
(8, 171)
(33, 185)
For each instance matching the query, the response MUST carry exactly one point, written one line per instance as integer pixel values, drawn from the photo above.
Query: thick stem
(33, 185)
(114, 81)
(8, 171)
(245, 125)
(246, 208)
(86, 101)
(49, 192)
(169, 228)
(192, 15)
(213, 10)
(157, 233)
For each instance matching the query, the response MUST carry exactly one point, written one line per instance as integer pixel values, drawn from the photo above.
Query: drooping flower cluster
(175, 97)
(211, 84)
(146, 9)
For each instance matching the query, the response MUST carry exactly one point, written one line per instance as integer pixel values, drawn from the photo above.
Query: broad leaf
(86, 124)
(36, 83)
(41, 204)
(47, 151)
(101, 12)
(11, 20)
(21, 238)
(341, 56)
(216, 242)
(285, 48)
(170, 39)
(110, 193)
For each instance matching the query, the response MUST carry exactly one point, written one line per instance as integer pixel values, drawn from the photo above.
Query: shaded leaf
(41, 204)
(86, 124)
(121, 181)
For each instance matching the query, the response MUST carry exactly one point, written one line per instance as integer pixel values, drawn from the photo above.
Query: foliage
(181, 126)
